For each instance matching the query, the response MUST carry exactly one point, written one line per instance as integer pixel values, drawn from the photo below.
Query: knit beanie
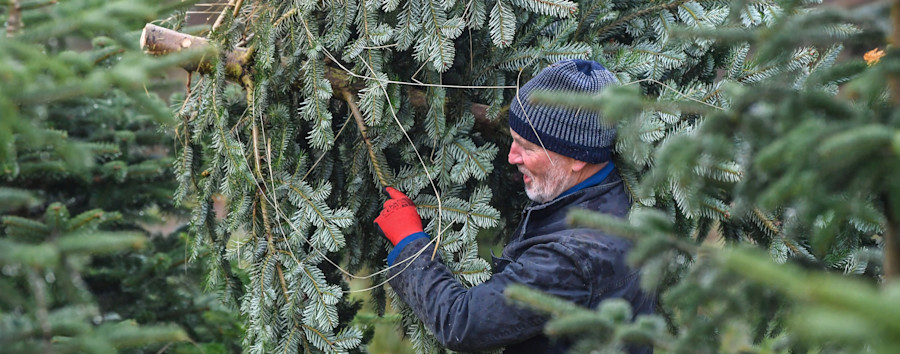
(570, 132)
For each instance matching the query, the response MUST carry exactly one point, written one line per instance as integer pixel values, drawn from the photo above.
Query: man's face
(544, 180)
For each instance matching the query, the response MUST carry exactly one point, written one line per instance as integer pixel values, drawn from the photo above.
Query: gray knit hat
(575, 133)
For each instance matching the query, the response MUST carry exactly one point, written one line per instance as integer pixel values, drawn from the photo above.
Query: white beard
(547, 188)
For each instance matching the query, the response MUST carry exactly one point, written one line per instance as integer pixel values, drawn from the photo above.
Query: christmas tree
(806, 251)
(307, 110)
(84, 163)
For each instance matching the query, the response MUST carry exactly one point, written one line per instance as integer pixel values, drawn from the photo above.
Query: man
(565, 158)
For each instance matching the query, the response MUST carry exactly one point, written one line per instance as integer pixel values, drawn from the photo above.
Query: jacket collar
(591, 181)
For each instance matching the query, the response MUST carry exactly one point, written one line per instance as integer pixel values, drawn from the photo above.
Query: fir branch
(714, 208)
(594, 6)
(407, 27)
(233, 284)
(254, 132)
(318, 333)
(502, 24)
(348, 97)
(284, 287)
(12, 199)
(541, 301)
(156, 40)
(38, 289)
(326, 219)
(557, 8)
(624, 228)
(452, 210)
(319, 291)
(101, 242)
(84, 219)
(236, 9)
(267, 227)
(768, 224)
(25, 228)
(474, 158)
(891, 201)
(615, 24)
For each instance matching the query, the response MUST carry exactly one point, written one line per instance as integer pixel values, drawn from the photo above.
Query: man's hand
(399, 218)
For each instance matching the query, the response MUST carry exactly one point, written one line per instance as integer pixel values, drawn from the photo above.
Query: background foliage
(269, 126)
(84, 166)
(403, 72)
(759, 163)
(812, 199)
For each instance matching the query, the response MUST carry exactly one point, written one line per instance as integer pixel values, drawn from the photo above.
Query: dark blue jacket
(585, 266)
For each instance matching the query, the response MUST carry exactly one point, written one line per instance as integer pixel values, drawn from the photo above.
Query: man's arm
(480, 317)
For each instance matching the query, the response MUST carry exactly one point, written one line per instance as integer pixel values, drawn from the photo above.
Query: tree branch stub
(156, 40)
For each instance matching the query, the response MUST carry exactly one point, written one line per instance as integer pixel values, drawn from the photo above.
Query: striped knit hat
(575, 133)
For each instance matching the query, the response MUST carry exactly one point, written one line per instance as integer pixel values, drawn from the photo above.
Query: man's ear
(577, 165)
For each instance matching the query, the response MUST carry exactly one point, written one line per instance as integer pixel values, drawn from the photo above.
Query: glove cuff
(402, 244)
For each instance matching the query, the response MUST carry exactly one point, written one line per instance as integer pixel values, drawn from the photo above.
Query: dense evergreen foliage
(760, 166)
(813, 197)
(84, 165)
(312, 108)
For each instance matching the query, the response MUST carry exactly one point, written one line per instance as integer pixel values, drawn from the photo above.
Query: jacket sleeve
(480, 317)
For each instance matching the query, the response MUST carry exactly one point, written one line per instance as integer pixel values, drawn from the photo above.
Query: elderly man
(565, 158)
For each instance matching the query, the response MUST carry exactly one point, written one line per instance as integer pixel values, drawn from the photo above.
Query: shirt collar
(591, 181)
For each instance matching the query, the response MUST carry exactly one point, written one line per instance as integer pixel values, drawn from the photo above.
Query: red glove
(399, 218)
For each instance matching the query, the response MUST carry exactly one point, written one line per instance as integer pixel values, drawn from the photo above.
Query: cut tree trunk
(158, 40)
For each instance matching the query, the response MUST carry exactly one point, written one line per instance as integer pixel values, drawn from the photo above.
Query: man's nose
(514, 157)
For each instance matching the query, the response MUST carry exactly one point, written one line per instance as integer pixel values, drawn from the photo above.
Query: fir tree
(308, 110)
(812, 193)
(83, 162)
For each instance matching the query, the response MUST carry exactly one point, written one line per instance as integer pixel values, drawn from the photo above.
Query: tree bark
(158, 40)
